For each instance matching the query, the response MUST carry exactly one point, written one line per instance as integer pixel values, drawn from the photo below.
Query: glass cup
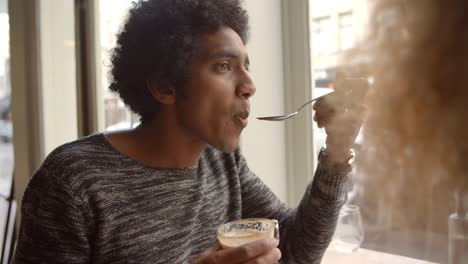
(349, 233)
(237, 233)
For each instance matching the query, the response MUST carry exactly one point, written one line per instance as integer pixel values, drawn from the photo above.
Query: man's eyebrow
(224, 54)
(228, 54)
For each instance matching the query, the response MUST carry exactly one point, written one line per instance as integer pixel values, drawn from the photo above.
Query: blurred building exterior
(336, 26)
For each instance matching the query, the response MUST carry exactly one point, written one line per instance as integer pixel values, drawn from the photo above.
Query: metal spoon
(321, 92)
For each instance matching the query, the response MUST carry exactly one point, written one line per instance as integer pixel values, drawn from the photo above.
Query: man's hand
(341, 114)
(260, 251)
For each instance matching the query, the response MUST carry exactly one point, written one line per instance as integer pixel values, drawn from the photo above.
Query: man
(157, 193)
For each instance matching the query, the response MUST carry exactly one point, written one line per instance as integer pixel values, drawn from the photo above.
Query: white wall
(263, 143)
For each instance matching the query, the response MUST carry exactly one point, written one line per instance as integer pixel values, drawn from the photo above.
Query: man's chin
(227, 147)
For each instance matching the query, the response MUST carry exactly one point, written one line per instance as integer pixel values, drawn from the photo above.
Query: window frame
(298, 76)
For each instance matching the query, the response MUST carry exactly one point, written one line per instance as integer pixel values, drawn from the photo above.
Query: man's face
(215, 104)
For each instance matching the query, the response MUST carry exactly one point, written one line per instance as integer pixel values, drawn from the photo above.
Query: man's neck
(159, 143)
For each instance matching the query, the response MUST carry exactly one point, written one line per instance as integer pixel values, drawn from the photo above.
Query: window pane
(341, 33)
(333, 32)
(346, 33)
(390, 224)
(323, 36)
(6, 128)
(111, 17)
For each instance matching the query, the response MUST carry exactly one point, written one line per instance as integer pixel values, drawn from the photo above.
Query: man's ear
(162, 95)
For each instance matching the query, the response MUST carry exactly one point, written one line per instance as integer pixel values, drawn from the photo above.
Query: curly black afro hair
(158, 41)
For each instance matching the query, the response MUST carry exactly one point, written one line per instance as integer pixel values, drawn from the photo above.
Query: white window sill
(366, 256)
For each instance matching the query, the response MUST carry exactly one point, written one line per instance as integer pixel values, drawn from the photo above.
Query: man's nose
(246, 88)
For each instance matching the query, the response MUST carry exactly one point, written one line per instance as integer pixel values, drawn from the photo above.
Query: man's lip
(243, 115)
(241, 119)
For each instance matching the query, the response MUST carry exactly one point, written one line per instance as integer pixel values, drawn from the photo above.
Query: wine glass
(349, 233)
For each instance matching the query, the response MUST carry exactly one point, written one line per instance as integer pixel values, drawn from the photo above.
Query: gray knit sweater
(89, 203)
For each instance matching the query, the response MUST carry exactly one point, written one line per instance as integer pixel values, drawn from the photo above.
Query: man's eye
(247, 66)
(224, 66)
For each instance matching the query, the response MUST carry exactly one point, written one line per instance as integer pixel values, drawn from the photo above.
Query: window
(346, 30)
(111, 17)
(6, 129)
(6, 133)
(332, 34)
(323, 41)
(344, 21)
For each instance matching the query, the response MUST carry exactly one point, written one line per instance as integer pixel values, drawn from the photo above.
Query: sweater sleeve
(305, 232)
(53, 226)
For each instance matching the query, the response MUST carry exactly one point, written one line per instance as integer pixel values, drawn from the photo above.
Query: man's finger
(203, 256)
(324, 106)
(271, 257)
(248, 251)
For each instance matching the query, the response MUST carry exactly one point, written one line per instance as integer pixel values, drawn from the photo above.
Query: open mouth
(241, 119)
